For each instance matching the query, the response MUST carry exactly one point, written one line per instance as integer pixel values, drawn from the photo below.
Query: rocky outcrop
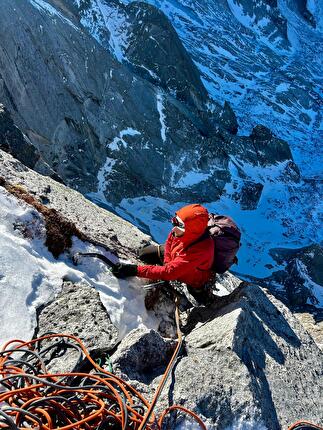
(77, 310)
(13, 141)
(300, 284)
(302, 8)
(98, 224)
(268, 148)
(152, 40)
(251, 362)
(262, 148)
(311, 256)
(228, 119)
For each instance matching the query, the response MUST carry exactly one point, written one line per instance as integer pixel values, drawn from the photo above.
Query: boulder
(143, 354)
(77, 310)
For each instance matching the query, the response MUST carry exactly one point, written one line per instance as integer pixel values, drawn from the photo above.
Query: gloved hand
(122, 270)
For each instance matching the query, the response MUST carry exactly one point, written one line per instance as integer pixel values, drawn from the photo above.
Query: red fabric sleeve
(167, 256)
(169, 272)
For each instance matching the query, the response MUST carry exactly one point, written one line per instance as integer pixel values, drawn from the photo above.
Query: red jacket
(188, 264)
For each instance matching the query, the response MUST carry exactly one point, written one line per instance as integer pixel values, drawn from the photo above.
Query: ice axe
(111, 264)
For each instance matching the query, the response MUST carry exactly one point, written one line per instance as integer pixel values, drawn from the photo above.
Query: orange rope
(104, 396)
(167, 372)
(181, 408)
(305, 423)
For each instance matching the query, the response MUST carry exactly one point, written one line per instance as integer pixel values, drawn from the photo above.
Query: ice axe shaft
(101, 257)
(154, 285)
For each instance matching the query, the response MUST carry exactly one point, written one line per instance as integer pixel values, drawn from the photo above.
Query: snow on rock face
(46, 7)
(30, 276)
(107, 24)
(94, 99)
(181, 154)
(251, 53)
(300, 284)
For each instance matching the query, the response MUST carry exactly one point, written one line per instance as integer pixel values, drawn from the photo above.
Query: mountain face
(146, 106)
(264, 57)
(170, 144)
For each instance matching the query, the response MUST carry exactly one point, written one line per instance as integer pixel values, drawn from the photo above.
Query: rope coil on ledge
(304, 425)
(30, 397)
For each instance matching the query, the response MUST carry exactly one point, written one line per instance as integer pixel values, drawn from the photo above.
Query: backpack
(226, 237)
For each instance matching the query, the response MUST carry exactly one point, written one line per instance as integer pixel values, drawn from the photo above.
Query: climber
(186, 257)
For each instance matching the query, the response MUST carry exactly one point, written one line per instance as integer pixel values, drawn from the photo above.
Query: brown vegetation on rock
(59, 230)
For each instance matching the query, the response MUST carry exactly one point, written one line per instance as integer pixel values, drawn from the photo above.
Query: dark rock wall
(103, 126)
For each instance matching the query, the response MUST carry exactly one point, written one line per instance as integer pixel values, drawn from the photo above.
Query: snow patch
(43, 6)
(100, 16)
(192, 178)
(317, 290)
(30, 276)
(258, 173)
(105, 170)
(237, 10)
(151, 73)
(282, 88)
(162, 116)
(120, 141)
(225, 53)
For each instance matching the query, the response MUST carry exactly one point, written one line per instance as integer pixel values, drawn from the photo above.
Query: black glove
(121, 270)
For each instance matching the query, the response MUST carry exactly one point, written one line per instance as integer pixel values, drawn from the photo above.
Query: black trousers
(152, 254)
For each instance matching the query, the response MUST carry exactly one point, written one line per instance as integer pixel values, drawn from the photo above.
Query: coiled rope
(31, 397)
(304, 425)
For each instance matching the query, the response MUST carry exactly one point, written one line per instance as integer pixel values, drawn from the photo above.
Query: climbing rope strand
(76, 400)
(186, 411)
(304, 425)
(165, 376)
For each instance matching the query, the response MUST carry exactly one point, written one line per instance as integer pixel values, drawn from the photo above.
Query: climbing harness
(304, 425)
(32, 397)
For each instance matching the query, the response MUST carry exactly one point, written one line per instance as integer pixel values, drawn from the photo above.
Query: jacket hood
(195, 218)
